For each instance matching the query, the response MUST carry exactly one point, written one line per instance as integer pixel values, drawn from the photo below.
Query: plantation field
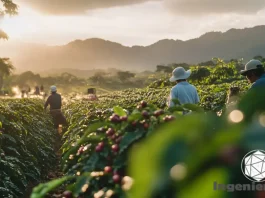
(121, 139)
(127, 144)
(26, 145)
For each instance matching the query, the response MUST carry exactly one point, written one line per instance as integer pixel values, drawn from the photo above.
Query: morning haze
(130, 35)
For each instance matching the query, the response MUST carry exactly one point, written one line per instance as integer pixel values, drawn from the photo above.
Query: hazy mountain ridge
(101, 54)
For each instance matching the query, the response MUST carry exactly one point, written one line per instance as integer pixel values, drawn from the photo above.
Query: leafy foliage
(125, 75)
(26, 145)
(6, 68)
(99, 139)
(199, 73)
(159, 151)
(197, 151)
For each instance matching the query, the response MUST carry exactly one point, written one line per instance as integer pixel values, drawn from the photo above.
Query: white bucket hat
(53, 88)
(253, 64)
(179, 74)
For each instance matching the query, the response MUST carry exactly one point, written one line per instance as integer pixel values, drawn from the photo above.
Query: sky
(129, 22)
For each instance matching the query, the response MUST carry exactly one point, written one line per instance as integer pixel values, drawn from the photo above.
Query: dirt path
(53, 174)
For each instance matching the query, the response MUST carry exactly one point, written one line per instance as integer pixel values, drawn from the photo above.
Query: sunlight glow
(14, 27)
(127, 25)
(262, 119)
(127, 183)
(16, 91)
(85, 187)
(178, 172)
(236, 116)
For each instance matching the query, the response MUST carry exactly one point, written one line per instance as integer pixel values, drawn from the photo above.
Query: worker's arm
(60, 101)
(173, 95)
(47, 103)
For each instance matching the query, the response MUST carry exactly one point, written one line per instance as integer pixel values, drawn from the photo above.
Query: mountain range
(97, 53)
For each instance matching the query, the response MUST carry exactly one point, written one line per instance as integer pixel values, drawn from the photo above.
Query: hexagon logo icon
(253, 165)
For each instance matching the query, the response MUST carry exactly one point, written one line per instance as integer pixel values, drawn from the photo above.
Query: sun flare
(16, 26)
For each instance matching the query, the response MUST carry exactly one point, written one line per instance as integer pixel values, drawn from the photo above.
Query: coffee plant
(198, 151)
(26, 145)
(97, 144)
(129, 144)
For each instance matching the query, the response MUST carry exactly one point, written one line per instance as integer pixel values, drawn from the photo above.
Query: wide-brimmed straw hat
(180, 74)
(251, 65)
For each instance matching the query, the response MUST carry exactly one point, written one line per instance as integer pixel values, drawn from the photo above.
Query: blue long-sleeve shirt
(185, 93)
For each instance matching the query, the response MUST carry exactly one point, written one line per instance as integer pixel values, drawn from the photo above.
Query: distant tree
(28, 77)
(165, 69)
(68, 78)
(49, 80)
(125, 75)
(9, 8)
(207, 63)
(6, 69)
(184, 65)
(98, 78)
(260, 58)
(224, 70)
(238, 64)
(199, 73)
(3, 35)
(170, 67)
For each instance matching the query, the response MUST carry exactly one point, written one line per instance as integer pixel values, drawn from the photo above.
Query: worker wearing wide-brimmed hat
(254, 72)
(183, 91)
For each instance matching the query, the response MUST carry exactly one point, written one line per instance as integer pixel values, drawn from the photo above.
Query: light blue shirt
(185, 93)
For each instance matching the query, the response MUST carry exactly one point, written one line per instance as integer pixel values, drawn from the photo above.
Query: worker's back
(55, 101)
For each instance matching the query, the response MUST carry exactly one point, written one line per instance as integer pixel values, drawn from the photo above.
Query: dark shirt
(55, 101)
(37, 90)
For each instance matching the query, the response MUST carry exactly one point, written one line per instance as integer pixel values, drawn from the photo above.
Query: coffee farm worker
(92, 94)
(254, 72)
(252, 104)
(55, 102)
(183, 91)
